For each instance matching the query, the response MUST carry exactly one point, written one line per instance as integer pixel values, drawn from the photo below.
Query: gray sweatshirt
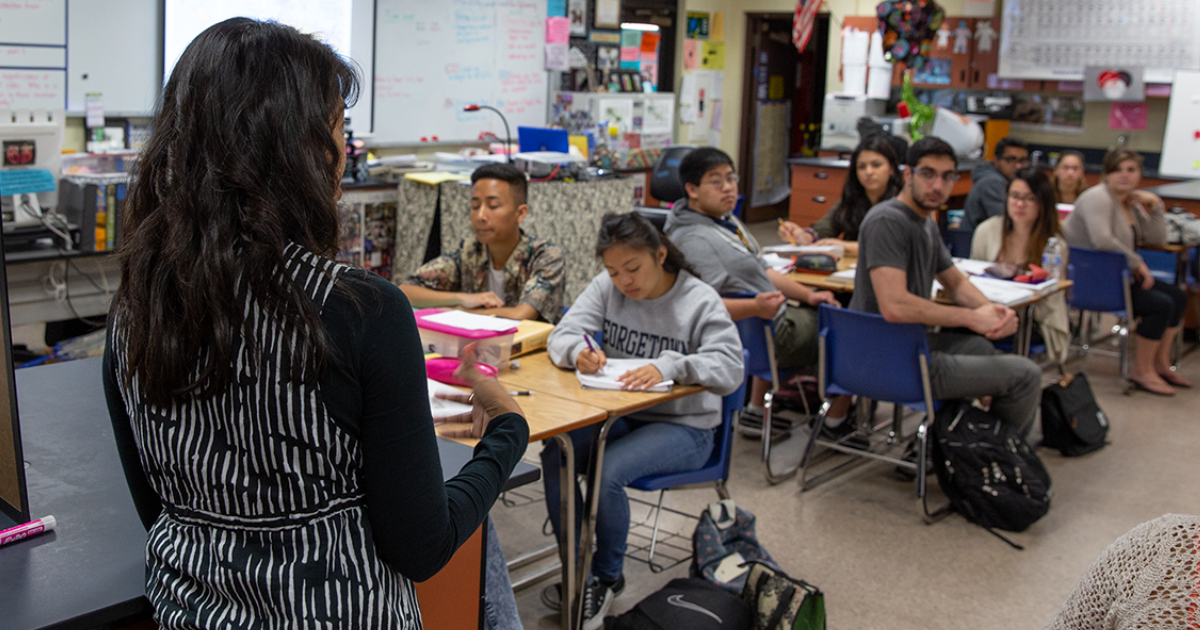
(988, 196)
(723, 259)
(687, 332)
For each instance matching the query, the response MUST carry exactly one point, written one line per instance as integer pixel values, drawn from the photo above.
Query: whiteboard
(1181, 141)
(434, 57)
(115, 49)
(1055, 39)
(33, 54)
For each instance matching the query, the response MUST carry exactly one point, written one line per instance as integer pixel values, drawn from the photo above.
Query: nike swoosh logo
(677, 600)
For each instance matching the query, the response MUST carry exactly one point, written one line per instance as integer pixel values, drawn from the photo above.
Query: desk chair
(665, 184)
(958, 241)
(1102, 286)
(863, 355)
(1163, 265)
(715, 471)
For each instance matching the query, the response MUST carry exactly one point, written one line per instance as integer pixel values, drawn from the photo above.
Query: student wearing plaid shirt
(501, 270)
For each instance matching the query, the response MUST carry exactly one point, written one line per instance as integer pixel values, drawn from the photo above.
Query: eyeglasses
(1012, 159)
(718, 182)
(929, 175)
(1015, 198)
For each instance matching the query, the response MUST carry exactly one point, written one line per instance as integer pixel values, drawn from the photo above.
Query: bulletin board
(1181, 141)
(1055, 39)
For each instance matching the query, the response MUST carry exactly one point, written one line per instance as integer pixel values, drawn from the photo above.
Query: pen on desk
(789, 234)
(32, 528)
(523, 392)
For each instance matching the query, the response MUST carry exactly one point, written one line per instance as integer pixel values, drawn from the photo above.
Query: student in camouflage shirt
(501, 270)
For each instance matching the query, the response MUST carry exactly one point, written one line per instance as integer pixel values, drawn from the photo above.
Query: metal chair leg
(657, 520)
(767, 435)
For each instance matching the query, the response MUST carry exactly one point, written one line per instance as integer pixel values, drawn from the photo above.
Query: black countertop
(91, 570)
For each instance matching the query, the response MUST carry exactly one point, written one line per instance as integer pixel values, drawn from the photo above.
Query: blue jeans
(634, 450)
(499, 603)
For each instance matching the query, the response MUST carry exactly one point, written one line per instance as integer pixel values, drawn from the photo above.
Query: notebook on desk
(613, 369)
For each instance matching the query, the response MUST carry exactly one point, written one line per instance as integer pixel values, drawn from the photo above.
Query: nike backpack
(686, 604)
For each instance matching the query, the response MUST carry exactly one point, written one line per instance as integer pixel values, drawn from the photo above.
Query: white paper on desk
(606, 378)
(843, 277)
(1002, 291)
(440, 407)
(472, 321)
(837, 251)
(777, 262)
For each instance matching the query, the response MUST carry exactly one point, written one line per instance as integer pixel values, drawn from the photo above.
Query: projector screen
(346, 25)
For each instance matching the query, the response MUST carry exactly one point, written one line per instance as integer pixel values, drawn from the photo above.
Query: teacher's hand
(488, 399)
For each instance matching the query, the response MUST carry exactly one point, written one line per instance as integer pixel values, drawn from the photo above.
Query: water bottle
(1052, 258)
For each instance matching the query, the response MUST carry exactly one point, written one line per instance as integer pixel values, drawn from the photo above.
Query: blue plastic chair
(715, 471)
(1163, 265)
(861, 354)
(1102, 286)
(958, 241)
(758, 341)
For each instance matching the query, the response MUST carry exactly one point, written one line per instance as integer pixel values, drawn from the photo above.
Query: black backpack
(987, 470)
(686, 603)
(1072, 422)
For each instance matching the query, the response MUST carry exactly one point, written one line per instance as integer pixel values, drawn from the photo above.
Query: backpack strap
(1001, 537)
(785, 600)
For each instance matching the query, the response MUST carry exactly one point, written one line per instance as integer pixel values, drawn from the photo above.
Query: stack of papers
(472, 321)
(606, 378)
(444, 408)
(434, 178)
(837, 251)
(1003, 292)
(778, 263)
(978, 269)
(842, 277)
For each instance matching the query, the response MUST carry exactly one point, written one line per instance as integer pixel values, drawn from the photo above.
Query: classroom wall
(1096, 133)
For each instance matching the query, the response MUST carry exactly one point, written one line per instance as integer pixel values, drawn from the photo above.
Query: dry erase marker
(32, 528)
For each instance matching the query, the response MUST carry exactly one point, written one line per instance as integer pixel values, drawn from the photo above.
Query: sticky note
(650, 42)
(26, 181)
(631, 39)
(629, 53)
(716, 30)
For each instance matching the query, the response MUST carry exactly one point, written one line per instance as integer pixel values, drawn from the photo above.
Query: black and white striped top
(281, 505)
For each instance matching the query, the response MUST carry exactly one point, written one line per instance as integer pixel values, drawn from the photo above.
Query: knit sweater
(1148, 578)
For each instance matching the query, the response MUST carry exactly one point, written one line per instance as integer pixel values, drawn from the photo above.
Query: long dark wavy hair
(1047, 224)
(855, 201)
(634, 231)
(242, 162)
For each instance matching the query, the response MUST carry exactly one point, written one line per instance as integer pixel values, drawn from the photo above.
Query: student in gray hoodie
(990, 180)
(648, 304)
(726, 256)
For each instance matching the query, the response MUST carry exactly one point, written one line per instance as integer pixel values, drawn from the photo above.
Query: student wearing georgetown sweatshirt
(648, 305)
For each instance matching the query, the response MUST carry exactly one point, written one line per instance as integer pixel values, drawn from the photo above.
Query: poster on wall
(577, 13)
(697, 25)
(608, 14)
(1113, 83)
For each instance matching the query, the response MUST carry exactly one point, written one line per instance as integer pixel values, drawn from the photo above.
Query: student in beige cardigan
(1019, 236)
(1115, 216)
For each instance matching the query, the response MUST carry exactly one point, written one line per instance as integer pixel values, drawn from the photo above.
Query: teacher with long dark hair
(270, 404)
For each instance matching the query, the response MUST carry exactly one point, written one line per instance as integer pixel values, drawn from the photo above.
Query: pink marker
(32, 528)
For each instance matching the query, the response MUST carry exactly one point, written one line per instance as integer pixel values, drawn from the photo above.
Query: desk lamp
(507, 135)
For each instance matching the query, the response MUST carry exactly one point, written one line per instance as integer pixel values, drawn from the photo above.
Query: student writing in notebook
(649, 305)
(500, 270)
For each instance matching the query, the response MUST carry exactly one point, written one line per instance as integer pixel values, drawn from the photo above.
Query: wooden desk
(537, 373)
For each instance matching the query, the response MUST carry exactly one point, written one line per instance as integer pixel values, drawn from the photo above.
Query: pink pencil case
(491, 347)
(442, 371)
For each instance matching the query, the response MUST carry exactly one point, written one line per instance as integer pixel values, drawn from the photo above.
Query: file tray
(493, 341)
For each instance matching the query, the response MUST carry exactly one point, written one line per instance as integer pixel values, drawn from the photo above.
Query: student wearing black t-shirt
(900, 254)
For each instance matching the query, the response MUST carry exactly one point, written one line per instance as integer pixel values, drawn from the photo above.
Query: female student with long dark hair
(270, 404)
(875, 177)
(648, 305)
(1068, 179)
(1019, 236)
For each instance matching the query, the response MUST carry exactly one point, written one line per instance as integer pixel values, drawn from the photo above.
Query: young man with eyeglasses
(900, 253)
(726, 256)
(990, 180)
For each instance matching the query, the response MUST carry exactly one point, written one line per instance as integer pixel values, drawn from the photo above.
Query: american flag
(802, 22)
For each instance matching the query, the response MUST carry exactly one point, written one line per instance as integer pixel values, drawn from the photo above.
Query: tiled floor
(860, 538)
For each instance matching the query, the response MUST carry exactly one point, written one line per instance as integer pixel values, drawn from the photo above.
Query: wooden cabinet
(814, 191)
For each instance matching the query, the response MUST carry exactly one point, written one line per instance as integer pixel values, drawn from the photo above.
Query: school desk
(557, 406)
(91, 571)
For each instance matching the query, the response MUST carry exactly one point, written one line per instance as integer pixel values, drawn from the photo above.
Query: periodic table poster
(1055, 39)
